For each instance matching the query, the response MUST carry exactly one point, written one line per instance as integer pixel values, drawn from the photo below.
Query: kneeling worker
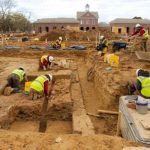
(39, 87)
(103, 45)
(142, 84)
(14, 81)
(45, 62)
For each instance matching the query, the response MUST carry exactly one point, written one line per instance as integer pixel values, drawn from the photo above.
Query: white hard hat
(50, 77)
(137, 72)
(50, 58)
(137, 25)
(60, 38)
(101, 37)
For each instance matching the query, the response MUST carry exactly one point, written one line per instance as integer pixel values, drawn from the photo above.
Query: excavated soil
(20, 131)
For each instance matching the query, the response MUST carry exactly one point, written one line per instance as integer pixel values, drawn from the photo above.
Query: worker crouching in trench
(40, 87)
(14, 81)
(142, 85)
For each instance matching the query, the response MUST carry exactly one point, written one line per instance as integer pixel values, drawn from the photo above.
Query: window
(81, 28)
(40, 29)
(119, 30)
(87, 21)
(128, 30)
(87, 28)
(93, 28)
(47, 29)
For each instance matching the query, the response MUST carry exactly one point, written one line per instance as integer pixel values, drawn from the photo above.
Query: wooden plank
(118, 124)
(108, 112)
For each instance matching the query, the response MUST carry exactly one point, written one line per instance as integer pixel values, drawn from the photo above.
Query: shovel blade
(43, 125)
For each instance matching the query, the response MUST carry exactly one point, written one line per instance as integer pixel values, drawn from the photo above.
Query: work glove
(44, 68)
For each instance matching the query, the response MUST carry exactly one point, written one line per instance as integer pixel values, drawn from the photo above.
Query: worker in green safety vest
(142, 84)
(40, 87)
(143, 34)
(15, 79)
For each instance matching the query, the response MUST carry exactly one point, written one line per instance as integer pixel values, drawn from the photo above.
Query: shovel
(43, 121)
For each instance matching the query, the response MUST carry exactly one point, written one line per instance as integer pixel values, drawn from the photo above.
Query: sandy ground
(24, 135)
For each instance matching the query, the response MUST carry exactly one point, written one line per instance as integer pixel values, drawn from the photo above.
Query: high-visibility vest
(105, 42)
(146, 35)
(43, 57)
(20, 73)
(38, 83)
(145, 85)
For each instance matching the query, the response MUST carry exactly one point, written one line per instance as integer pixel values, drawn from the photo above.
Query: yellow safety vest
(43, 57)
(20, 73)
(146, 35)
(145, 84)
(38, 83)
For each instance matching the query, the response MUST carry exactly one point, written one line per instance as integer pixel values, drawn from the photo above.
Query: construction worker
(142, 85)
(45, 62)
(58, 43)
(141, 32)
(39, 87)
(103, 46)
(15, 79)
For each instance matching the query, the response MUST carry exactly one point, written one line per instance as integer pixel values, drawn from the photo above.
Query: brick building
(88, 19)
(45, 25)
(85, 20)
(127, 26)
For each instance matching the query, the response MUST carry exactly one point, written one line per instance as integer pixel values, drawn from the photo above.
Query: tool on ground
(43, 121)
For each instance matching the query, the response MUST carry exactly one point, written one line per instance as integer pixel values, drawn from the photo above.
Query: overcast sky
(107, 9)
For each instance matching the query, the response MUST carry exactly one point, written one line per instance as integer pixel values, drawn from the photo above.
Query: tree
(5, 11)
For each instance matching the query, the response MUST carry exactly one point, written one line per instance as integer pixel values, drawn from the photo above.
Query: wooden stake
(108, 112)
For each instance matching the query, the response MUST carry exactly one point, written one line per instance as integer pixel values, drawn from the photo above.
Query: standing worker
(141, 32)
(45, 62)
(142, 84)
(14, 81)
(39, 87)
(103, 46)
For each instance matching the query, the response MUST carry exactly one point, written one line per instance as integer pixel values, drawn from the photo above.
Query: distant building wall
(126, 28)
(46, 27)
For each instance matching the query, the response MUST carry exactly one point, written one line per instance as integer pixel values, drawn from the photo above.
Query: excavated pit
(68, 108)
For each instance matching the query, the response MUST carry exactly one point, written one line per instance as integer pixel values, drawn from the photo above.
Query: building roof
(57, 20)
(104, 24)
(81, 13)
(132, 21)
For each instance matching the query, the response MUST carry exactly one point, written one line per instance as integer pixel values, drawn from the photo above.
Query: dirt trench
(95, 95)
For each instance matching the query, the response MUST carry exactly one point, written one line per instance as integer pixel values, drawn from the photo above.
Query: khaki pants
(144, 44)
(34, 95)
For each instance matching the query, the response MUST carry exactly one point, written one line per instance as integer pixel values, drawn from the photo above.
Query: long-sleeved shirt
(139, 32)
(46, 88)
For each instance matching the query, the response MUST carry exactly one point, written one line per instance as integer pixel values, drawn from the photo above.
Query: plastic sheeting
(130, 125)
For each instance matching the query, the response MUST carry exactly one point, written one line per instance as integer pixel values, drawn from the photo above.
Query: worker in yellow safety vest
(45, 62)
(40, 86)
(142, 84)
(103, 46)
(58, 43)
(15, 79)
(143, 33)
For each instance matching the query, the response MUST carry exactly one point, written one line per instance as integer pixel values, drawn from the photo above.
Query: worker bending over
(142, 85)
(46, 62)
(141, 32)
(58, 43)
(103, 46)
(40, 87)
(15, 79)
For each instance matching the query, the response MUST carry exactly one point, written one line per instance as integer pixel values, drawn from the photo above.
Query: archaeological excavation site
(74, 83)
(85, 106)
